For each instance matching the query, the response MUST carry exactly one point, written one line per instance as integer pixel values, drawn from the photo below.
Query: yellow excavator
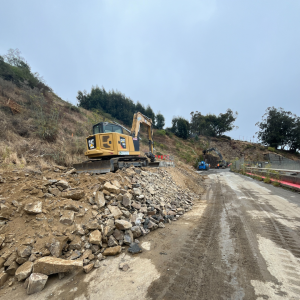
(109, 149)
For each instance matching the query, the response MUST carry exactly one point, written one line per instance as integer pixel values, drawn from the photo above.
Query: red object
(280, 181)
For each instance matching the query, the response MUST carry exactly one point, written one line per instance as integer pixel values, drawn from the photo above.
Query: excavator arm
(139, 119)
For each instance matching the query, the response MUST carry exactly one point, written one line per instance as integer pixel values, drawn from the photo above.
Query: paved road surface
(245, 245)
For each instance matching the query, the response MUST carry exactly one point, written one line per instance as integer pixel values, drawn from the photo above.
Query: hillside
(39, 128)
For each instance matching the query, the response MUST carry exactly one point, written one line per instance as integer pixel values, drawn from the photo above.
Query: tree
(150, 114)
(160, 121)
(279, 128)
(180, 127)
(13, 67)
(114, 103)
(222, 123)
(212, 125)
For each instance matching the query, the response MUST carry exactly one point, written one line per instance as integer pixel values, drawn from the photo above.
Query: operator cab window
(106, 128)
(97, 129)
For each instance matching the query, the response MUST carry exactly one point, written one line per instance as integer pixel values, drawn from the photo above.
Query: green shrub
(275, 183)
(169, 133)
(267, 180)
(160, 132)
(271, 149)
(158, 153)
(162, 146)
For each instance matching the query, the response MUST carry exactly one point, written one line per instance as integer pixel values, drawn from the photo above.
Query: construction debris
(63, 222)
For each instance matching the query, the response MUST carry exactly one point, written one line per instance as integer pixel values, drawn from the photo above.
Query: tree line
(117, 105)
(208, 125)
(280, 129)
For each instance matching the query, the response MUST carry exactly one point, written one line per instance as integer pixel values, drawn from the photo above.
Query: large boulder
(51, 265)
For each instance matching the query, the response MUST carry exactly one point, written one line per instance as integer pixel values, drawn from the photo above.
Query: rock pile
(55, 226)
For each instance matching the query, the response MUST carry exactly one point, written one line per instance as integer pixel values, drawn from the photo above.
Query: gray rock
(57, 244)
(95, 237)
(112, 242)
(99, 199)
(36, 283)
(92, 225)
(3, 278)
(11, 270)
(72, 207)
(134, 248)
(124, 267)
(54, 191)
(64, 184)
(127, 200)
(136, 231)
(75, 244)
(34, 208)
(24, 251)
(75, 254)
(67, 218)
(73, 194)
(97, 264)
(111, 188)
(127, 239)
(115, 211)
(119, 235)
(24, 271)
(137, 191)
(122, 224)
(79, 230)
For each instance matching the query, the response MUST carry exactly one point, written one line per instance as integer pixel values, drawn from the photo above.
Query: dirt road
(241, 241)
(245, 245)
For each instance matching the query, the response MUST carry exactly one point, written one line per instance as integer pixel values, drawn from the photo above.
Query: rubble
(112, 251)
(33, 208)
(36, 283)
(82, 219)
(24, 271)
(3, 278)
(52, 265)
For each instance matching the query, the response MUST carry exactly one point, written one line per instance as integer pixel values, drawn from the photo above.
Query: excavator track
(102, 166)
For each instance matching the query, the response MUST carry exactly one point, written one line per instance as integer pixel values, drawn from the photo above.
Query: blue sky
(177, 56)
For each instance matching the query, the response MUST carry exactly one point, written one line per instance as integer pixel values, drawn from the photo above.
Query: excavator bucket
(97, 166)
